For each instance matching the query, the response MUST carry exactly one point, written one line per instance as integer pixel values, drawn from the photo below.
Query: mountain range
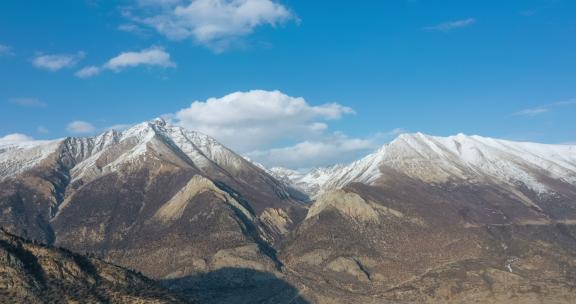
(424, 219)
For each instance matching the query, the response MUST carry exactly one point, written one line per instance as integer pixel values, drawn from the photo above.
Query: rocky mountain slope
(443, 220)
(151, 193)
(36, 273)
(422, 220)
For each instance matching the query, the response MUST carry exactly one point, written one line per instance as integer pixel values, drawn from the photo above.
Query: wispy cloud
(42, 129)
(28, 102)
(528, 13)
(130, 28)
(5, 50)
(80, 127)
(119, 127)
(569, 102)
(311, 153)
(330, 149)
(15, 137)
(55, 62)
(531, 112)
(213, 23)
(451, 25)
(153, 56)
(87, 72)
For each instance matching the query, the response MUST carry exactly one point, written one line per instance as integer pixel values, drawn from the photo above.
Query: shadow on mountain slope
(237, 285)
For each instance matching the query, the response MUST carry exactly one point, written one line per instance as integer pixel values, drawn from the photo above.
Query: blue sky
(337, 78)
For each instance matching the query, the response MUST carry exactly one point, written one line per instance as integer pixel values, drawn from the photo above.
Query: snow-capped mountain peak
(153, 146)
(434, 159)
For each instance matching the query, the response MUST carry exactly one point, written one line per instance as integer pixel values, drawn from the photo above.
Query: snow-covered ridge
(441, 159)
(151, 142)
(432, 159)
(138, 142)
(19, 156)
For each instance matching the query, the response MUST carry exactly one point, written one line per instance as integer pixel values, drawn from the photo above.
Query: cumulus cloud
(214, 23)
(153, 56)
(55, 62)
(15, 137)
(451, 25)
(276, 129)
(28, 102)
(79, 127)
(253, 119)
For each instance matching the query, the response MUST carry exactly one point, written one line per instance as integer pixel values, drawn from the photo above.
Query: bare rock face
(35, 273)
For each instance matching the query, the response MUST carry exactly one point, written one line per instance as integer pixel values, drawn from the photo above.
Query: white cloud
(158, 2)
(333, 149)
(42, 129)
(276, 129)
(87, 72)
(531, 112)
(15, 137)
(119, 127)
(307, 154)
(214, 23)
(57, 62)
(451, 25)
(256, 119)
(79, 127)
(28, 102)
(153, 56)
(569, 102)
(130, 28)
(5, 50)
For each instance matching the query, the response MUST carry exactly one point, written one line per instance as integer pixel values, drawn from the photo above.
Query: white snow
(441, 159)
(431, 159)
(19, 156)
(136, 144)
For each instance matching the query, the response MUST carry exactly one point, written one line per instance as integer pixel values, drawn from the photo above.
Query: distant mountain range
(424, 219)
